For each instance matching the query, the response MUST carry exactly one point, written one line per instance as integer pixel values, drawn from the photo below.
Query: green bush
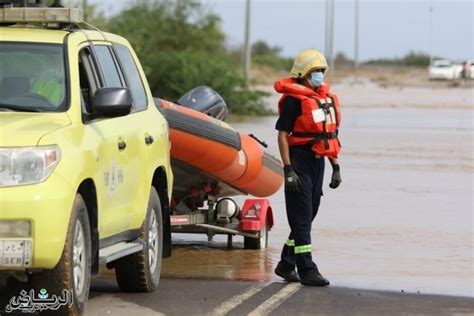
(411, 59)
(174, 74)
(265, 55)
(275, 62)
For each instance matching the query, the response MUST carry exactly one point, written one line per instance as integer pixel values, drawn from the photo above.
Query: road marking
(238, 299)
(273, 302)
(107, 305)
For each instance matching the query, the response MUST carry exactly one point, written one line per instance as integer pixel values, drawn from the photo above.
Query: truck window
(33, 77)
(88, 79)
(132, 76)
(108, 66)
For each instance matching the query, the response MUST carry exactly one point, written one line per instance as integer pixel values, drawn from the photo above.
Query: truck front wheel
(73, 272)
(140, 271)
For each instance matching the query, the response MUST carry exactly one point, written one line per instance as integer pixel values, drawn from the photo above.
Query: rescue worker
(49, 84)
(308, 123)
(50, 88)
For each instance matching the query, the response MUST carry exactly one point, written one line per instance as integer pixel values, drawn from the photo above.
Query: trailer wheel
(140, 271)
(258, 243)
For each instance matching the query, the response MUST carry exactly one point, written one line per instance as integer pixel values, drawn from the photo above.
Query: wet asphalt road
(230, 297)
(223, 297)
(198, 293)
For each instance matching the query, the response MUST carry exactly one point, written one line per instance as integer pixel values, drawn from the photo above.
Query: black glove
(336, 177)
(292, 181)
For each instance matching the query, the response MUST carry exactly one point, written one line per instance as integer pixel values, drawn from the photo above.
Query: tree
(265, 55)
(342, 60)
(261, 48)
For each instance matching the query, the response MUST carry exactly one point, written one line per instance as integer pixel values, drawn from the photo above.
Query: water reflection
(200, 259)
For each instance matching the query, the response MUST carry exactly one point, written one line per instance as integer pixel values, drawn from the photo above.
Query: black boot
(313, 277)
(288, 275)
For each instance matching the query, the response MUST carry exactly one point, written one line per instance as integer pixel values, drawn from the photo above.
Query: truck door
(149, 125)
(119, 149)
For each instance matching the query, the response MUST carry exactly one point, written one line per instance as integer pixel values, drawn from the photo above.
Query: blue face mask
(316, 79)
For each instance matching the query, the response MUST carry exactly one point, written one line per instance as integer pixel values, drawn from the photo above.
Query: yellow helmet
(307, 60)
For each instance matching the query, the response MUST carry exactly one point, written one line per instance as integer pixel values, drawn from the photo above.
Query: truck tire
(73, 272)
(258, 243)
(140, 271)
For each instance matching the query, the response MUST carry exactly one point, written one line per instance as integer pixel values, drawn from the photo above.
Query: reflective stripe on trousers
(302, 249)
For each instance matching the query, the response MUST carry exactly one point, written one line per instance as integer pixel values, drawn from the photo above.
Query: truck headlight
(27, 165)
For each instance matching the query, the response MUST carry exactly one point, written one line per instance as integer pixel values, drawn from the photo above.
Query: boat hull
(226, 158)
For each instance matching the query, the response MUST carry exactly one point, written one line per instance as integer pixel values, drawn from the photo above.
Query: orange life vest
(319, 120)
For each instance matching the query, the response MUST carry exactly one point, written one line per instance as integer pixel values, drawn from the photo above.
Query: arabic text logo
(27, 303)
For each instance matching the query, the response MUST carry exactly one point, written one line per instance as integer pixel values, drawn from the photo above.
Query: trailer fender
(255, 213)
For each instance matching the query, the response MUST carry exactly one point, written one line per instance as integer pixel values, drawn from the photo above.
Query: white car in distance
(443, 69)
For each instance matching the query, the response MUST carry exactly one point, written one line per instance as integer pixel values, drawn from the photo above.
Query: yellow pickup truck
(85, 176)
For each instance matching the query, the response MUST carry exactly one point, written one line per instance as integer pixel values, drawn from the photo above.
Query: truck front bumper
(47, 207)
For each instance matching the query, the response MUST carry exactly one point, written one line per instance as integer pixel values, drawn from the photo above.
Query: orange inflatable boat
(210, 157)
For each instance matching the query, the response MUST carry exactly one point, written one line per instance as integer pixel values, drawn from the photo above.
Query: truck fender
(254, 214)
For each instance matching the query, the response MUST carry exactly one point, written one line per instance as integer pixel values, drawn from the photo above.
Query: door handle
(122, 145)
(149, 140)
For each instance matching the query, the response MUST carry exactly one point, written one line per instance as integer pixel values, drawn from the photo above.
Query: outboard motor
(205, 100)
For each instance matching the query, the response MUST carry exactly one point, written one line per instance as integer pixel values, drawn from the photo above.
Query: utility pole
(430, 37)
(327, 28)
(329, 38)
(247, 43)
(333, 8)
(356, 36)
(84, 8)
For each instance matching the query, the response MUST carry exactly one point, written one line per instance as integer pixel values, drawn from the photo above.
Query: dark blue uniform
(302, 206)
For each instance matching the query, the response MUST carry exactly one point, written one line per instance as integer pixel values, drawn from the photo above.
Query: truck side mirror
(111, 102)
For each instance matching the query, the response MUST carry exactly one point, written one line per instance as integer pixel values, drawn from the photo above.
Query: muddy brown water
(401, 220)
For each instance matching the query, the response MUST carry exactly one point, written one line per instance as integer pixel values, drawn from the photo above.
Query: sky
(387, 28)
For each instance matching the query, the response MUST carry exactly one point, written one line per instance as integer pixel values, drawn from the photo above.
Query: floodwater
(402, 218)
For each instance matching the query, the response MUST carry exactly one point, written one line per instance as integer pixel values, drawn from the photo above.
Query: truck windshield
(32, 77)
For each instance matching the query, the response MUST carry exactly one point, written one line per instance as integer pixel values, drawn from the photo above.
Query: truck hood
(26, 129)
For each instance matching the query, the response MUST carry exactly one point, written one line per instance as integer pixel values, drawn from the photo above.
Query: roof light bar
(42, 15)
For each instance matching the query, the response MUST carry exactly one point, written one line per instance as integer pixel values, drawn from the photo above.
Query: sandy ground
(384, 76)
(365, 93)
